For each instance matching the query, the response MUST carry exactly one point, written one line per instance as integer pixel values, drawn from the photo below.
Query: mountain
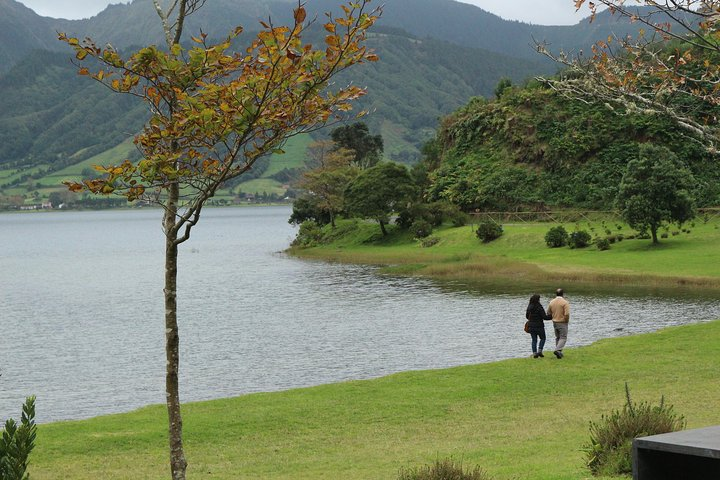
(22, 31)
(435, 55)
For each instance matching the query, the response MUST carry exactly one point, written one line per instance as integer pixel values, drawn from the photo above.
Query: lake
(81, 313)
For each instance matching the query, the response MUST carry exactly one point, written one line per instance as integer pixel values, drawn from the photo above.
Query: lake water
(81, 313)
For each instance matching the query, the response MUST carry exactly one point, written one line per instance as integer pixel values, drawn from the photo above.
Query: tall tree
(655, 190)
(380, 191)
(326, 184)
(214, 113)
(649, 73)
(356, 137)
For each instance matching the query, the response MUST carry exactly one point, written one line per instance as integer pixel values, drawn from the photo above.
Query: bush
(602, 244)
(443, 470)
(421, 229)
(579, 239)
(488, 231)
(556, 237)
(429, 241)
(609, 452)
(16, 443)
(309, 235)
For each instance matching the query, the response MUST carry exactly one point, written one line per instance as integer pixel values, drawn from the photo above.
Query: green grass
(294, 156)
(521, 255)
(519, 419)
(114, 156)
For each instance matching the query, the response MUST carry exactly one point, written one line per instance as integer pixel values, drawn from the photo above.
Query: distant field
(110, 157)
(294, 156)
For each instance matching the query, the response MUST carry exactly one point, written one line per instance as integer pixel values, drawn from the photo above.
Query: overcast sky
(542, 12)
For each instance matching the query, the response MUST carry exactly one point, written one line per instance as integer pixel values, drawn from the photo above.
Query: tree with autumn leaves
(214, 112)
(670, 68)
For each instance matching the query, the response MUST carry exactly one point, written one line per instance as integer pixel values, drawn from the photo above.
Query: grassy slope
(293, 158)
(521, 255)
(520, 419)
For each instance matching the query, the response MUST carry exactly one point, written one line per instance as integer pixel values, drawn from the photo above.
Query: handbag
(527, 327)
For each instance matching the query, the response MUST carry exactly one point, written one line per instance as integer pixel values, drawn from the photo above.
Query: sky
(541, 12)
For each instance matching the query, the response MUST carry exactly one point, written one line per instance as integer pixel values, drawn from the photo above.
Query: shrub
(457, 217)
(16, 443)
(443, 470)
(609, 452)
(664, 235)
(611, 238)
(421, 229)
(488, 231)
(429, 241)
(579, 239)
(556, 237)
(602, 244)
(309, 235)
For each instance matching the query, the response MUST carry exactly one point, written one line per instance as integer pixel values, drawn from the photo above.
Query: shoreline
(503, 271)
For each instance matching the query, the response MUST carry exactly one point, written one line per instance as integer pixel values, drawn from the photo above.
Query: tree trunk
(178, 463)
(382, 228)
(653, 231)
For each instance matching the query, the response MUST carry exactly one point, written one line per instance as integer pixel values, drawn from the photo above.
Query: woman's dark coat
(536, 315)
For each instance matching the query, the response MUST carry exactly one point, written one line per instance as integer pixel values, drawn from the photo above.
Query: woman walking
(535, 315)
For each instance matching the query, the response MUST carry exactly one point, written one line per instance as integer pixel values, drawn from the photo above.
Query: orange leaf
(300, 15)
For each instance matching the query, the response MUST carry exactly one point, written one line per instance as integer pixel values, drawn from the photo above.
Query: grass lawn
(520, 419)
(520, 255)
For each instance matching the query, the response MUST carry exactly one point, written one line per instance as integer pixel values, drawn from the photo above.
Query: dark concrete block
(686, 455)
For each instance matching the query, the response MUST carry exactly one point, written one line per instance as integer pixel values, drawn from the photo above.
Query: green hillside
(532, 149)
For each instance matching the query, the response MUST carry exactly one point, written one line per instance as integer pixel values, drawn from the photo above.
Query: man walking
(559, 310)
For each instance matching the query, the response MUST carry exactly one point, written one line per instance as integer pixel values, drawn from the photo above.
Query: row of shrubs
(558, 237)
(608, 453)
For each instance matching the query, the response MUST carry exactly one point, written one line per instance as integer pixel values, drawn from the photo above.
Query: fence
(566, 216)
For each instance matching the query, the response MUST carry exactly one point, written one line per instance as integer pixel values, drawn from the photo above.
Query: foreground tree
(670, 68)
(214, 113)
(655, 190)
(380, 191)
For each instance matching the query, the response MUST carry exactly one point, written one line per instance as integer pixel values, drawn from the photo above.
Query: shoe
(558, 354)
(539, 354)
(535, 355)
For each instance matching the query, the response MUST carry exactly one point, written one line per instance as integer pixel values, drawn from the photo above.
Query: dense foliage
(380, 191)
(531, 149)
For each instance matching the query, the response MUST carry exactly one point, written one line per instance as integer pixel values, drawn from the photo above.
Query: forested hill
(532, 149)
(435, 55)
(136, 23)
